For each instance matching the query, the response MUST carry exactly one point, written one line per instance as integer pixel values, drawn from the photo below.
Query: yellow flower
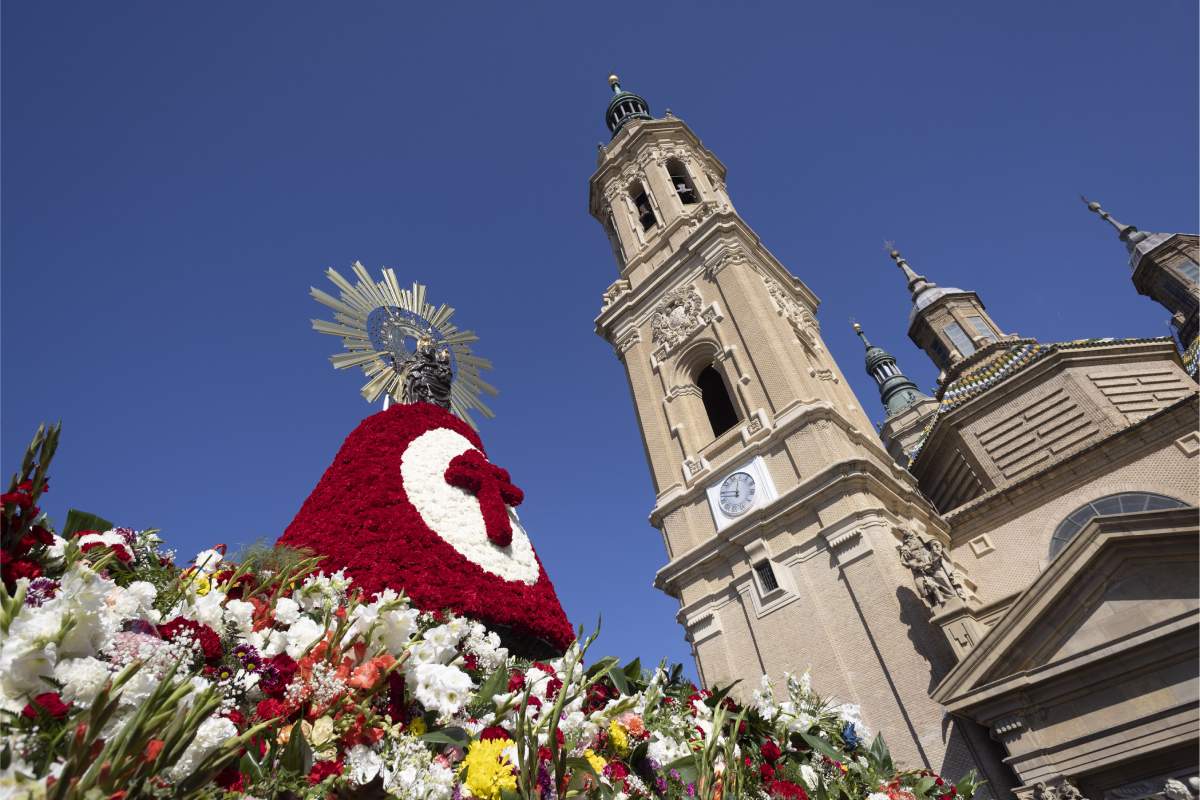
(488, 770)
(619, 738)
(596, 761)
(202, 584)
(417, 727)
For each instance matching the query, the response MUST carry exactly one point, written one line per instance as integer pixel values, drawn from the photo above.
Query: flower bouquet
(126, 675)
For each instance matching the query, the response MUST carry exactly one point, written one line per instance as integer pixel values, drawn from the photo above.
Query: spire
(624, 106)
(916, 283)
(896, 390)
(1128, 234)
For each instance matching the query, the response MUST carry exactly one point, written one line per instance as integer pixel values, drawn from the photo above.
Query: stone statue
(1069, 791)
(429, 375)
(1043, 792)
(932, 570)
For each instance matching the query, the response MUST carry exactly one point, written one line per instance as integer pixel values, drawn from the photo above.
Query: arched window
(1123, 503)
(641, 202)
(717, 404)
(682, 182)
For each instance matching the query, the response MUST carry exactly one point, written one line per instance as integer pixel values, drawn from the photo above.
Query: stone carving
(1043, 792)
(803, 321)
(822, 374)
(703, 212)
(1069, 791)
(724, 258)
(676, 316)
(613, 293)
(1177, 790)
(754, 425)
(626, 342)
(429, 375)
(934, 573)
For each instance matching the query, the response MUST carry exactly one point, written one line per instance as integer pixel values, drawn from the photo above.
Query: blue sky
(175, 177)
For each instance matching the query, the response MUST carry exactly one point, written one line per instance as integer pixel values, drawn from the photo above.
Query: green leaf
(297, 756)
(597, 670)
(821, 746)
(633, 670)
(454, 736)
(249, 766)
(880, 755)
(82, 521)
(686, 767)
(620, 681)
(509, 794)
(496, 683)
(577, 763)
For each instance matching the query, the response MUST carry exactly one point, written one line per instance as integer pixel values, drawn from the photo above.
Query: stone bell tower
(780, 510)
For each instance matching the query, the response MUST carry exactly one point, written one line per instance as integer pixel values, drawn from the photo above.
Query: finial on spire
(916, 283)
(1127, 233)
(858, 329)
(614, 82)
(624, 106)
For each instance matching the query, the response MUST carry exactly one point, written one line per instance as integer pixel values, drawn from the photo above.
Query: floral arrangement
(125, 675)
(412, 501)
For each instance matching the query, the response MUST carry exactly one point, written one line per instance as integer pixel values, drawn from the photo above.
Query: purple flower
(249, 657)
(691, 790)
(128, 534)
(40, 590)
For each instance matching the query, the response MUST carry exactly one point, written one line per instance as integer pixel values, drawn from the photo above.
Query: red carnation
(24, 568)
(231, 779)
(494, 732)
(206, 637)
(787, 790)
(277, 674)
(322, 770)
(270, 709)
(770, 751)
(616, 770)
(516, 681)
(766, 772)
(50, 704)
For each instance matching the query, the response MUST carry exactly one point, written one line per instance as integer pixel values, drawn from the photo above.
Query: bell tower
(779, 508)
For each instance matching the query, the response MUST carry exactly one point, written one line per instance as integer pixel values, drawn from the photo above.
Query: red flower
(616, 770)
(787, 789)
(24, 568)
(494, 732)
(322, 770)
(516, 681)
(49, 704)
(492, 486)
(770, 751)
(19, 498)
(206, 637)
(231, 779)
(766, 772)
(42, 535)
(270, 709)
(278, 672)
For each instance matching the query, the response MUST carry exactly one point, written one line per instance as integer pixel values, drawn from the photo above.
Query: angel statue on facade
(429, 375)
(932, 570)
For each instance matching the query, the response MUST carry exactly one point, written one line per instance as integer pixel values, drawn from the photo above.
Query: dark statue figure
(429, 375)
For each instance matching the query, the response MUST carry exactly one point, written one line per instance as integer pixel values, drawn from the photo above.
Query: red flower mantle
(359, 517)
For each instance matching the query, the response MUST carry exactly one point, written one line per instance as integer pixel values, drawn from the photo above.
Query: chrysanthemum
(488, 772)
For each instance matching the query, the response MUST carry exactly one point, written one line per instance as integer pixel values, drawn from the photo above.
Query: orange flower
(153, 748)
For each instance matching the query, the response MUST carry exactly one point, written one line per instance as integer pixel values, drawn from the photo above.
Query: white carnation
(287, 611)
(303, 633)
(240, 614)
(363, 764)
(82, 678)
(207, 561)
(144, 593)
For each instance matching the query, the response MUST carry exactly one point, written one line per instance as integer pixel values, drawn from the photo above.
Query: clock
(737, 493)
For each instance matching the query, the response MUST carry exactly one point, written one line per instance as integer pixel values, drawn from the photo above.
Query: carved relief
(803, 322)
(726, 257)
(703, 212)
(626, 342)
(676, 316)
(822, 374)
(614, 293)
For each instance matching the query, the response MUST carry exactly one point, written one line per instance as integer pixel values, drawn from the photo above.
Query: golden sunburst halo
(380, 324)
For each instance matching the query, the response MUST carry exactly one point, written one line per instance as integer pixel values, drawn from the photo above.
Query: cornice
(788, 421)
(1116, 446)
(629, 140)
(1093, 542)
(838, 478)
(686, 264)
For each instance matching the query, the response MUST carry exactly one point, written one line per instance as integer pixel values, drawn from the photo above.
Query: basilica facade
(1003, 574)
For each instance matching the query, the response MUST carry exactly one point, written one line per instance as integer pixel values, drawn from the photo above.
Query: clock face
(737, 493)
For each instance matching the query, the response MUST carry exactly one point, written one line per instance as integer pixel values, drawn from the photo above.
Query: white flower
(209, 735)
(287, 611)
(144, 593)
(441, 687)
(240, 614)
(82, 678)
(363, 764)
(810, 778)
(207, 561)
(877, 796)
(396, 628)
(303, 633)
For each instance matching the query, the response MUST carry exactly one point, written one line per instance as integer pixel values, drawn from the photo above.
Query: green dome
(624, 106)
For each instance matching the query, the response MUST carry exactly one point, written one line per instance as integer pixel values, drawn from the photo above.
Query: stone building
(1003, 576)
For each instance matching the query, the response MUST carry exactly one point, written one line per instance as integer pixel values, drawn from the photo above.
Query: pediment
(1120, 580)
